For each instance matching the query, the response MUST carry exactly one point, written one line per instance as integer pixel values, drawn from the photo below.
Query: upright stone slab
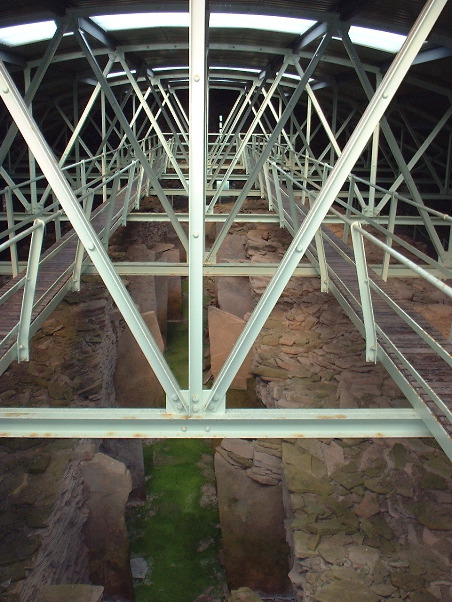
(136, 385)
(107, 484)
(234, 295)
(174, 286)
(233, 247)
(130, 453)
(252, 525)
(224, 330)
(150, 293)
(142, 288)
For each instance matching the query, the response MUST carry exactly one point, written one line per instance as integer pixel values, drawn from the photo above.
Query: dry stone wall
(43, 497)
(367, 520)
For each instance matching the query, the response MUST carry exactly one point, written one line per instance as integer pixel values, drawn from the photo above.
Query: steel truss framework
(277, 142)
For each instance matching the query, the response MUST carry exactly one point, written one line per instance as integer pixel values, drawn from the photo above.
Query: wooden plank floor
(55, 268)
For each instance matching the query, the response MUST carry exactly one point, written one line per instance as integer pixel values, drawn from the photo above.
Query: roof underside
(157, 48)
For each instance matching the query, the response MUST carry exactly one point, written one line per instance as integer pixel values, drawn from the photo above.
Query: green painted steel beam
(267, 218)
(115, 423)
(143, 268)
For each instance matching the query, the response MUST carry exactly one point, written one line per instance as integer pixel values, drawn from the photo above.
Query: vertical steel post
(348, 210)
(31, 159)
(79, 253)
(391, 224)
(374, 165)
(308, 142)
(276, 183)
(104, 158)
(197, 196)
(34, 255)
(364, 293)
(57, 221)
(448, 165)
(267, 187)
(10, 221)
(110, 208)
(75, 114)
(128, 194)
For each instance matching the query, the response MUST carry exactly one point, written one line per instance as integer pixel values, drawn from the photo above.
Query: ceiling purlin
(12, 58)
(425, 56)
(58, 7)
(347, 9)
(309, 36)
(94, 30)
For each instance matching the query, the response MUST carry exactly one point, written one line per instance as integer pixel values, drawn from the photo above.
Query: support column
(197, 196)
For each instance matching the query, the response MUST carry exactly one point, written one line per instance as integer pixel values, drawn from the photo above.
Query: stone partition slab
(224, 330)
(174, 286)
(252, 517)
(107, 484)
(136, 385)
(234, 295)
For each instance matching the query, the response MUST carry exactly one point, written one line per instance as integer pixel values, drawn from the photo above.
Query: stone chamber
(225, 318)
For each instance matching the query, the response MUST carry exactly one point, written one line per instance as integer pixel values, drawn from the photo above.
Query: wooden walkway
(54, 281)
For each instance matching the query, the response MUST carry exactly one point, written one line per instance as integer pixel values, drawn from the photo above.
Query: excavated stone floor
(364, 520)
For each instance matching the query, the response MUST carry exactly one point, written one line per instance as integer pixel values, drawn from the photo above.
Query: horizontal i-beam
(113, 423)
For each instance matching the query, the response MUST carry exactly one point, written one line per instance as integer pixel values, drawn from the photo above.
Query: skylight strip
(262, 22)
(376, 38)
(158, 69)
(228, 68)
(141, 20)
(119, 73)
(217, 20)
(18, 35)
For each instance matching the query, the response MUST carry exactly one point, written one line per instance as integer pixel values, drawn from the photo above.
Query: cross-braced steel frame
(346, 155)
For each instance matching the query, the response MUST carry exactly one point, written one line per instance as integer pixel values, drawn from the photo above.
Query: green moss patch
(177, 535)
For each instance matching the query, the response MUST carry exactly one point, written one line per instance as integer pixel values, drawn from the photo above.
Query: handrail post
(267, 187)
(282, 221)
(293, 206)
(321, 258)
(348, 211)
(10, 221)
(57, 224)
(364, 292)
(23, 334)
(128, 195)
(110, 209)
(391, 223)
(142, 190)
(77, 270)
